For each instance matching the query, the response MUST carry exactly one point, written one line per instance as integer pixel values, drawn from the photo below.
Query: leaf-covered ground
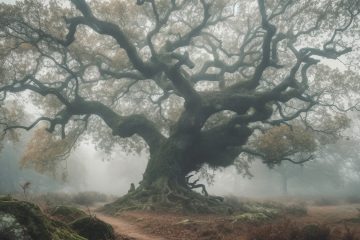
(320, 223)
(315, 219)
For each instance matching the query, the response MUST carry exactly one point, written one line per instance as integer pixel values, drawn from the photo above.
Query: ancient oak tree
(191, 81)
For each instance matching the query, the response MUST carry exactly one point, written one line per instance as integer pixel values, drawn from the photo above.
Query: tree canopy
(191, 81)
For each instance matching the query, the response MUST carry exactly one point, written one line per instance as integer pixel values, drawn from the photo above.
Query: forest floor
(326, 218)
(138, 225)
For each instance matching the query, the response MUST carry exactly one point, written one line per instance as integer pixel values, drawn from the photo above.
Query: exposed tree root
(195, 184)
(168, 197)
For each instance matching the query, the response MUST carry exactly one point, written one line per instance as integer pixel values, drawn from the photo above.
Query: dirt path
(124, 228)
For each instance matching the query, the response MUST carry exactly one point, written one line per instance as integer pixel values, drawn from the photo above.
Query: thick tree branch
(266, 49)
(29, 82)
(185, 40)
(258, 154)
(123, 126)
(107, 28)
(183, 86)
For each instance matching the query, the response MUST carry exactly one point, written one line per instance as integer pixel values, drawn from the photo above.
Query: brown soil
(138, 225)
(126, 229)
(331, 214)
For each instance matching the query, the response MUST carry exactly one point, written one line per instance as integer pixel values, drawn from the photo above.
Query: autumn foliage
(283, 141)
(289, 230)
(45, 151)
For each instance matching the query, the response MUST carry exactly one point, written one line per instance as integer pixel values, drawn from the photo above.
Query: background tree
(116, 70)
(298, 143)
(286, 143)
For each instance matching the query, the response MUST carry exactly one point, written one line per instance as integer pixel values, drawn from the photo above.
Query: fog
(333, 172)
(7, 1)
(89, 171)
(12, 176)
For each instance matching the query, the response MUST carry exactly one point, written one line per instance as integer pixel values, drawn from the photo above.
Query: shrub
(255, 212)
(349, 234)
(50, 200)
(314, 232)
(285, 230)
(235, 203)
(288, 230)
(353, 199)
(89, 198)
(326, 201)
(296, 209)
(66, 214)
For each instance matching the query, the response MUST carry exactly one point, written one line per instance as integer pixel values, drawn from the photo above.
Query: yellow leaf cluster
(44, 151)
(332, 128)
(283, 141)
(12, 114)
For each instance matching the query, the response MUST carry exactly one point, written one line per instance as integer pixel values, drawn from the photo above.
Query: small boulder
(93, 229)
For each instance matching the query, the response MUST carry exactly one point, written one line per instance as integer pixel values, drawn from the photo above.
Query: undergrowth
(289, 230)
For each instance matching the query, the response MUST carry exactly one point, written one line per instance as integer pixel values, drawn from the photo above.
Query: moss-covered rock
(10, 228)
(93, 228)
(21, 220)
(66, 214)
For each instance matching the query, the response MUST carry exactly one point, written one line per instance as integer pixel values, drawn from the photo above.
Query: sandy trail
(125, 228)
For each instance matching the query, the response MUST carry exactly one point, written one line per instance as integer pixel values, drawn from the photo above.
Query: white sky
(7, 1)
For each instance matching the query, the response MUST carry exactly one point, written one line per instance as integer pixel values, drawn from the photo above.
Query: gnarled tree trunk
(164, 184)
